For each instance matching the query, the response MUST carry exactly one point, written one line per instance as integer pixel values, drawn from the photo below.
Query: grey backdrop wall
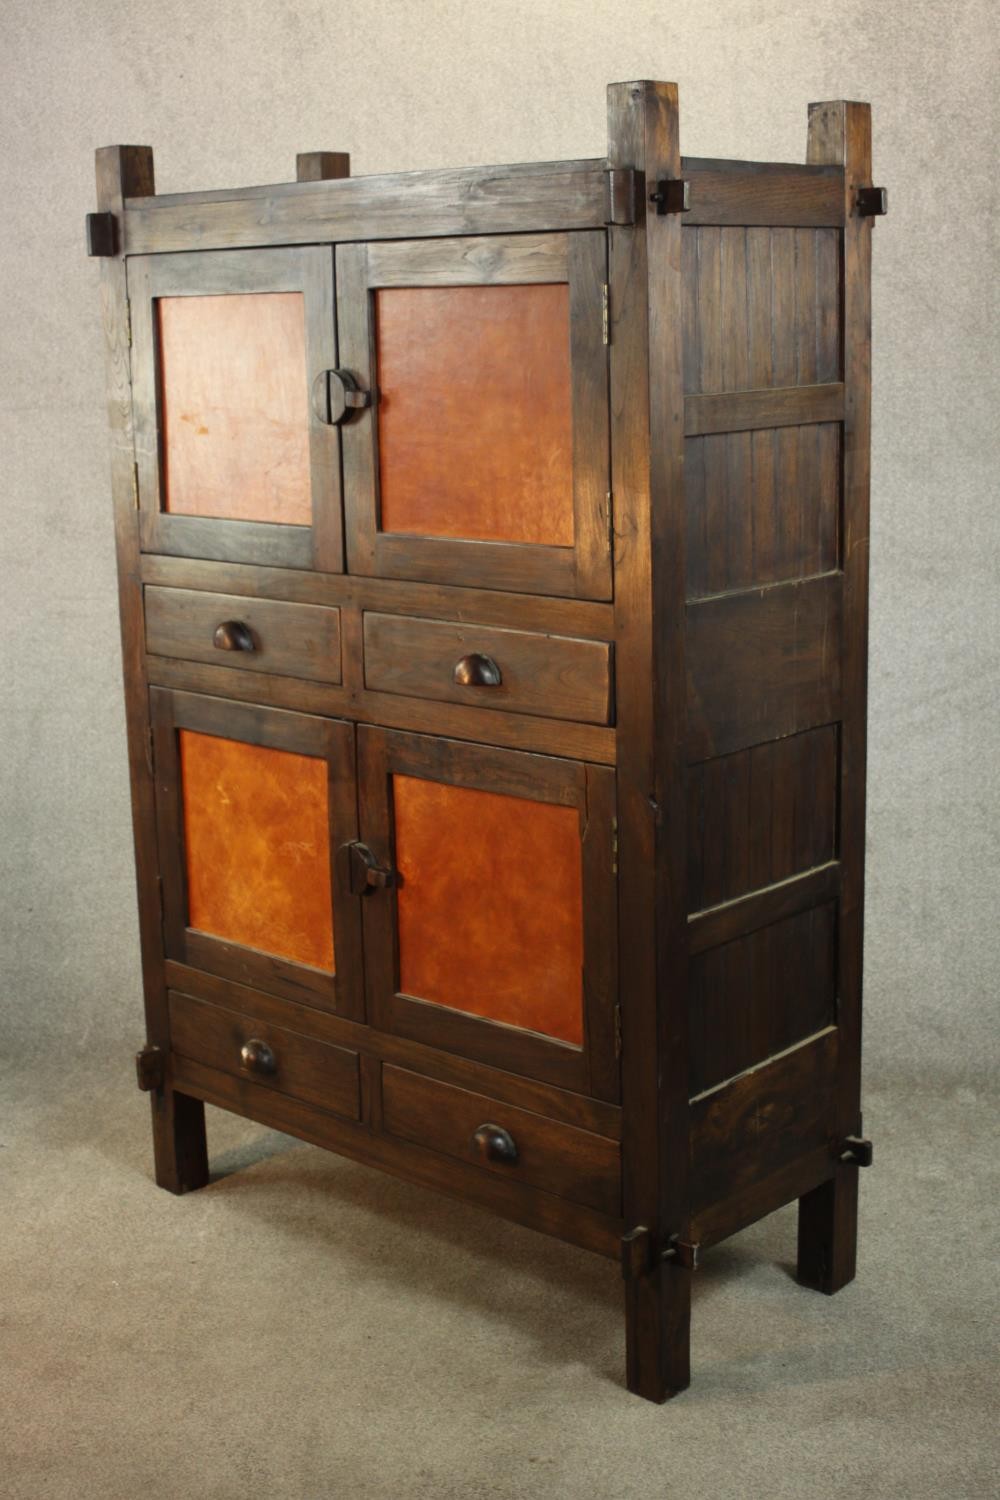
(227, 93)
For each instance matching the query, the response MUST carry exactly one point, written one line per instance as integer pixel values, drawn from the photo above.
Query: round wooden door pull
(495, 1144)
(233, 635)
(257, 1057)
(477, 670)
(335, 394)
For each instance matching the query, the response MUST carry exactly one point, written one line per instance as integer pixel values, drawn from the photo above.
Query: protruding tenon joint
(150, 1068)
(872, 201)
(855, 1151)
(102, 237)
(672, 196)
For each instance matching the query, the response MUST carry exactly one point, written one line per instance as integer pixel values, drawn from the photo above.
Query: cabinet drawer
(541, 1153)
(555, 676)
(313, 1071)
(231, 630)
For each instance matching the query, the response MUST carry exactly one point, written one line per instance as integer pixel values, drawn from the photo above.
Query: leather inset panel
(257, 847)
(490, 905)
(235, 407)
(474, 415)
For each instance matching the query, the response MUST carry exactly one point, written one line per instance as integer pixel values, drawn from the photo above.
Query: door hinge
(135, 486)
(618, 1031)
(605, 317)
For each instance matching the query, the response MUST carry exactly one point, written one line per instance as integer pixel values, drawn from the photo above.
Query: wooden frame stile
(647, 435)
(839, 134)
(179, 1147)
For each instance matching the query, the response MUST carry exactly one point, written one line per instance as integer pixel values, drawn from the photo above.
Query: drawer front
(231, 630)
(313, 1071)
(500, 1138)
(554, 676)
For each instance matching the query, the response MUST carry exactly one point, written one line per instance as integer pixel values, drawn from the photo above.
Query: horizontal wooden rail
(780, 406)
(782, 196)
(471, 200)
(734, 919)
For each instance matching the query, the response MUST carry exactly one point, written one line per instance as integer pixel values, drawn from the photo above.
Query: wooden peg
(321, 166)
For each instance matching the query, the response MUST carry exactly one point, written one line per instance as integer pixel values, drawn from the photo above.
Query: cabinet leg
(658, 1332)
(180, 1152)
(828, 1233)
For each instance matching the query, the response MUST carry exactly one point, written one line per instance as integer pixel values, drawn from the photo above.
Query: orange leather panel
(256, 835)
(235, 407)
(490, 905)
(474, 415)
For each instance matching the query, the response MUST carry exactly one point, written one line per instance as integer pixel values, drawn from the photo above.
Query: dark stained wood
(574, 617)
(515, 731)
(760, 816)
(584, 1168)
(840, 134)
(780, 195)
(762, 507)
(781, 288)
(512, 1200)
(743, 410)
(179, 1148)
(733, 919)
(647, 483)
(828, 1232)
(581, 1110)
(473, 200)
(756, 995)
(746, 1130)
(555, 676)
(322, 166)
(763, 664)
(311, 1070)
(711, 459)
(288, 640)
(761, 1197)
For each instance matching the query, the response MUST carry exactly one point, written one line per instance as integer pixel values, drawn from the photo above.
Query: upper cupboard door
(482, 458)
(233, 460)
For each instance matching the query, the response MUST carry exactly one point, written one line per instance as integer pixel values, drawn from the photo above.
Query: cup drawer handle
(233, 635)
(477, 670)
(495, 1144)
(257, 1057)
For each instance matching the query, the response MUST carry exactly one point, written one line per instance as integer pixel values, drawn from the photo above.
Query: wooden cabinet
(492, 553)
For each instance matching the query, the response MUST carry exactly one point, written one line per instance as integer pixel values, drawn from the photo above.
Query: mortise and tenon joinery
(493, 576)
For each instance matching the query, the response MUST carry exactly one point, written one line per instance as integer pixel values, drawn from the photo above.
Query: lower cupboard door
(252, 806)
(489, 906)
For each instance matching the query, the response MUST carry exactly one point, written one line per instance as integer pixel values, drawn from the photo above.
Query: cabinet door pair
(451, 893)
(426, 409)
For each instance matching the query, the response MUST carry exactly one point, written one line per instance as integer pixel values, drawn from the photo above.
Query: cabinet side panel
(775, 686)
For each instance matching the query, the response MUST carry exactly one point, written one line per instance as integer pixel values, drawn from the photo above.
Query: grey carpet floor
(307, 1328)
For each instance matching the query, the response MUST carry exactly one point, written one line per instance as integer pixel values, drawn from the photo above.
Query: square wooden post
(647, 436)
